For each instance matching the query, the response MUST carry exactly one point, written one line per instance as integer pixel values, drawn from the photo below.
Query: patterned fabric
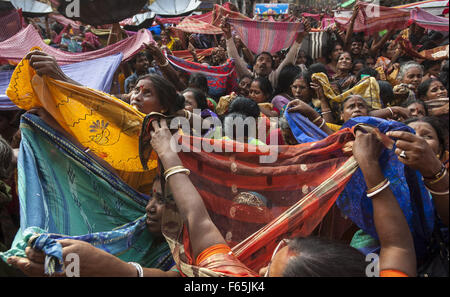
(29, 38)
(222, 79)
(190, 25)
(96, 74)
(266, 36)
(186, 54)
(65, 193)
(368, 88)
(301, 186)
(372, 18)
(314, 43)
(434, 54)
(106, 125)
(406, 185)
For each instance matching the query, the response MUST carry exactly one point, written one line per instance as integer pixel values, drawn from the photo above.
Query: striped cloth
(266, 36)
(314, 43)
(428, 21)
(434, 54)
(372, 18)
(18, 46)
(191, 25)
(222, 80)
(301, 185)
(186, 54)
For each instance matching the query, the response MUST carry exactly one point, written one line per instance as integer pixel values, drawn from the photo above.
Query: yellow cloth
(106, 125)
(368, 88)
(334, 127)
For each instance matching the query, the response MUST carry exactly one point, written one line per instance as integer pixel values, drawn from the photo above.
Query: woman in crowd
(411, 74)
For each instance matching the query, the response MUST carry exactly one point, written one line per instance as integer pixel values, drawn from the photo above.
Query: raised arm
(202, 231)
(397, 246)
(241, 66)
(349, 34)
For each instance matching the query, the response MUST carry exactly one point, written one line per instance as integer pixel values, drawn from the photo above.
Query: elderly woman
(411, 73)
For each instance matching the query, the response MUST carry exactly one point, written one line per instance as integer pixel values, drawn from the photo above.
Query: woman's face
(300, 90)
(413, 76)
(345, 62)
(301, 58)
(434, 70)
(256, 94)
(416, 110)
(436, 90)
(354, 107)
(145, 99)
(155, 208)
(427, 132)
(244, 86)
(337, 51)
(190, 103)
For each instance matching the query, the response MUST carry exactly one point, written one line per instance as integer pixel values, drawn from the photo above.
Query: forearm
(439, 189)
(202, 231)
(397, 246)
(241, 66)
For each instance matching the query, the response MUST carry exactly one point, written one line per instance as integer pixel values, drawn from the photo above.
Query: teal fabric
(66, 193)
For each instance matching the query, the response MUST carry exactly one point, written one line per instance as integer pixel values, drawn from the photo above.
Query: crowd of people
(358, 80)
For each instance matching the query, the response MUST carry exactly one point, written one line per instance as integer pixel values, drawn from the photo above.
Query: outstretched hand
(44, 64)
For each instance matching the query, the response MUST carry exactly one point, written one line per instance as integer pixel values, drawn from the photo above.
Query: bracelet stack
(138, 267)
(378, 188)
(435, 179)
(174, 170)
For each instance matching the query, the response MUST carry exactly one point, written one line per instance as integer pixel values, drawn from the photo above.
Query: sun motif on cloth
(101, 131)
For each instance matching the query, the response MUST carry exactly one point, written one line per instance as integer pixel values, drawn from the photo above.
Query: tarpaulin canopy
(96, 74)
(18, 46)
(100, 12)
(174, 7)
(32, 8)
(435, 7)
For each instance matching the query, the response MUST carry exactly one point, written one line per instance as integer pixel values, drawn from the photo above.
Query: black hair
(166, 92)
(444, 75)
(133, 60)
(321, 257)
(438, 126)
(286, 78)
(317, 68)
(309, 59)
(265, 85)
(366, 71)
(245, 106)
(427, 64)
(418, 101)
(6, 157)
(199, 81)
(357, 38)
(422, 89)
(199, 97)
(386, 92)
(328, 50)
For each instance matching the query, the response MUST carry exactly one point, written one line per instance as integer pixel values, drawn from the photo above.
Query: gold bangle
(437, 177)
(173, 168)
(377, 187)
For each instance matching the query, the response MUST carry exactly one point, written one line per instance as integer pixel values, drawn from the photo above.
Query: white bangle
(186, 171)
(437, 193)
(138, 268)
(390, 109)
(323, 123)
(370, 195)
